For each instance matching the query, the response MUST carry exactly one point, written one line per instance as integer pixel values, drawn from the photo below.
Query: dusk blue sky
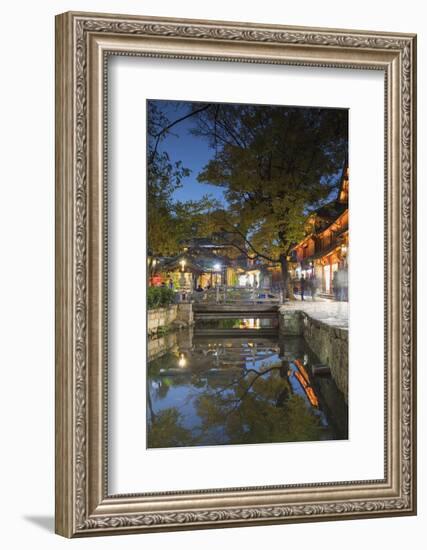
(194, 153)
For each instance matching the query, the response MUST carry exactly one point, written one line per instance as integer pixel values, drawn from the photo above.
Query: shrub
(159, 296)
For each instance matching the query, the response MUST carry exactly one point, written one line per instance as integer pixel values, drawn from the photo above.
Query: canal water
(237, 381)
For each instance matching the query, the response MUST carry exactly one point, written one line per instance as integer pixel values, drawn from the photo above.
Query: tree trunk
(286, 280)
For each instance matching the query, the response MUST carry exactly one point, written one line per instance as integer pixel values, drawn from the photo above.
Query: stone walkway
(330, 312)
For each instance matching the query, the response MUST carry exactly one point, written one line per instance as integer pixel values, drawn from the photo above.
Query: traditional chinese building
(324, 249)
(212, 259)
(207, 264)
(202, 262)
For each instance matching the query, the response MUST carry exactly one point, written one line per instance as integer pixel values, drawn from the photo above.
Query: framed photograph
(235, 274)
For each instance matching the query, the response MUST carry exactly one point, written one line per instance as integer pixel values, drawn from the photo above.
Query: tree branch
(258, 254)
(248, 389)
(171, 125)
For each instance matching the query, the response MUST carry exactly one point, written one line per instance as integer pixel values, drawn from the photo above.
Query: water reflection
(268, 322)
(215, 390)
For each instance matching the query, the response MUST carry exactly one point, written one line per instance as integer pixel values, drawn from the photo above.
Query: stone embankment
(325, 332)
(173, 316)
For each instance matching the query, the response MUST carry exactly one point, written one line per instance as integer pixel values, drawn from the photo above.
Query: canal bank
(174, 316)
(238, 381)
(324, 327)
(245, 373)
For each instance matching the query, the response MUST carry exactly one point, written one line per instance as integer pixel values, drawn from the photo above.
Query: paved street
(330, 312)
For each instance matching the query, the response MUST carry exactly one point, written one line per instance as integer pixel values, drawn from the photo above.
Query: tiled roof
(330, 211)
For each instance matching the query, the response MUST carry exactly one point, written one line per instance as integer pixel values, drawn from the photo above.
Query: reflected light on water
(250, 323)
(231, 389)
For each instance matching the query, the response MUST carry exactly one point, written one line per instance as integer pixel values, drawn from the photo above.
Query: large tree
(169, 220)
(249, 407)
(276, 164)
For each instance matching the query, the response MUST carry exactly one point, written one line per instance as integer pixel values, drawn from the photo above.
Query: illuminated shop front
(249, 279)
(323, 253)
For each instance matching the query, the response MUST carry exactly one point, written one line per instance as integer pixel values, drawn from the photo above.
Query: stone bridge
(203, 310)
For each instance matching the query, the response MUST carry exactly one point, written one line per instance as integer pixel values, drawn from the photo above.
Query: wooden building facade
(322, 256)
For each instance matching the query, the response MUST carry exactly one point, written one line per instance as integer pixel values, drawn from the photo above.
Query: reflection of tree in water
(163, 362)
(165, 430)
(257, 406)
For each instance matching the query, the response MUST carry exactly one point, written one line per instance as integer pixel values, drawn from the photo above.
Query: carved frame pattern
(82, 510)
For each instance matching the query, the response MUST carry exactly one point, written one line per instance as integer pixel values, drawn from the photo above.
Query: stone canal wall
(161, 345)
(290, 322)
(160, 318)
(328, 342)
(173, 340)
(184, 315)
(174, 316)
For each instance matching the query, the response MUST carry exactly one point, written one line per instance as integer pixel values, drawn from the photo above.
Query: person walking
(345, 284)
(314, 286)
(302, 286)
(336, 285)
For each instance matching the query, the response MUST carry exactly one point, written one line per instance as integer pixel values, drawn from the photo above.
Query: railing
(232, 295)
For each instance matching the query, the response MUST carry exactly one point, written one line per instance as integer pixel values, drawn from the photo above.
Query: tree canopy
(253, 407)
(276, 165)
(170, 221)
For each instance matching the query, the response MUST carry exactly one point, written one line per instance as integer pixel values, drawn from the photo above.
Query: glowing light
(308, 389)
(217, 267)
(182, 262)
(182, 361)
(302, 370)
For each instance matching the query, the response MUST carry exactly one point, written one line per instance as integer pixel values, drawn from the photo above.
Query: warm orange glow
(312, 397)
(249, 323)
(308, 389)
(182, 361)
(301, 368)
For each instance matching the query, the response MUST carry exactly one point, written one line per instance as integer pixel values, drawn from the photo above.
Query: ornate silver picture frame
(84, 42)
